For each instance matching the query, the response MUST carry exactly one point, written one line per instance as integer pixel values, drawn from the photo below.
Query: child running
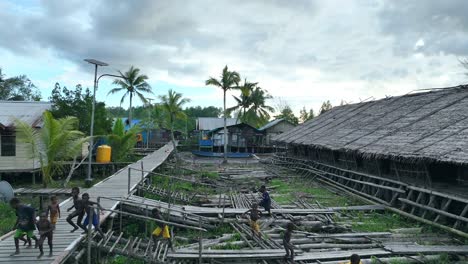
(88, 206)
(266, 201)
(46, 229)
(160, 231)
(25, 222)
(54, 210)
(287, 242)
(79, 210)
(254, 215)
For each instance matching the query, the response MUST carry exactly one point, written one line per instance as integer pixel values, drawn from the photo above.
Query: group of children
(254, 214)
(26, 222)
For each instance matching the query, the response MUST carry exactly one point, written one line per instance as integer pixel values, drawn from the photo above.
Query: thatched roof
(420, 126)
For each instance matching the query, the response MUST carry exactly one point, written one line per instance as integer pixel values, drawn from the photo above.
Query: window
(8, 143)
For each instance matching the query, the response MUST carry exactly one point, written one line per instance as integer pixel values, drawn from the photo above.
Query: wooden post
(146, 221)
(142, 172)
(200, 243)
(120, 216)
(129, 180)
(90, 224)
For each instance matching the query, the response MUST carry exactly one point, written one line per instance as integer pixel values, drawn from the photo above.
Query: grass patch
(124, 260)
(380, 222)
(288, 190)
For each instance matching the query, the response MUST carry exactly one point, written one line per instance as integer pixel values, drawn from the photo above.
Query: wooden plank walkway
(64, 241)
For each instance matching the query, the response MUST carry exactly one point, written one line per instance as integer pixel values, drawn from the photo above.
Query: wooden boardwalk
(64, 241)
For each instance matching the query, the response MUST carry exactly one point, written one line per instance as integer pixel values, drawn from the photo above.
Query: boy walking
(254, 215)
(266, 201)
(88, 206)
(79, 210)
(54, 210)
(287, 242)
(46, 229)
(25, 222)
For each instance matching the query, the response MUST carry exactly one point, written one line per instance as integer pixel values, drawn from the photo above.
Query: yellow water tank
(103, 154)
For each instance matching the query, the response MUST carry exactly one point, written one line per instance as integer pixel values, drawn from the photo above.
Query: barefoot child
(54, 210)
(46, 229)
(79, 210)
(160, 231)
(88, 206)
(25, 222)
(254, 215)
(266, 200)
(287, 241)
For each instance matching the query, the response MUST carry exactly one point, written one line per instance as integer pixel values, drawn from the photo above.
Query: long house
(14, 155)
(418, 138)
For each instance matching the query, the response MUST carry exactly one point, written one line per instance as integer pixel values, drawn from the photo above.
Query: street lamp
(96, 63)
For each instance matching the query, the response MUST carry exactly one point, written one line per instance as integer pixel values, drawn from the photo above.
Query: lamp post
(96, 63)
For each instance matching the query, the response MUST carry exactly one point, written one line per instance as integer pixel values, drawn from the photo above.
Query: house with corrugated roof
(275, 128)
(14, 155)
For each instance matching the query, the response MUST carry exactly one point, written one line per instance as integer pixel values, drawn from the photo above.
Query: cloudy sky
(302, 52)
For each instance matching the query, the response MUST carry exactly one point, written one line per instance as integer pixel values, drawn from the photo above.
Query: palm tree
(172, 104)
(258, 113)
(133, 84)
(57, 141)
(229, 80)
(243, 101)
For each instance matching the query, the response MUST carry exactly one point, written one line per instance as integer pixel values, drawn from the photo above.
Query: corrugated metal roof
(270, 124)
(210, 123)
(29, 112)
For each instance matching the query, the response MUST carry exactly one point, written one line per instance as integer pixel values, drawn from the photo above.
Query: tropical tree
(306, 116)
(172, 104)
(259, 112)
(228, 80)
(243, 101)
(325, 107)
(287, 114)
(57, 141)
(133, 84)
(464, 64)
(121, 142)
(18, 88)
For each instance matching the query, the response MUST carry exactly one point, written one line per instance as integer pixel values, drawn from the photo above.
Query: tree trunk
(225, 129)
(130, 112)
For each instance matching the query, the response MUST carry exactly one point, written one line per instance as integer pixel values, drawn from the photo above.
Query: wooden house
(275, 128)
(241, 138)
(14, 156)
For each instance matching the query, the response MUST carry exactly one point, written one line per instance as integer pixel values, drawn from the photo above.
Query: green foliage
(78, 103)
(214, 175)
(18, 88)
(125, 260)
(121, 142)
(132, 84)
(306, 116)
(7, 218)
(380, 222)
(287, 114)
(325, 107)
(57, 141)
(172, 107)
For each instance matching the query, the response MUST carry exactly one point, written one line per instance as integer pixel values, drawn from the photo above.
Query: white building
(14, 156)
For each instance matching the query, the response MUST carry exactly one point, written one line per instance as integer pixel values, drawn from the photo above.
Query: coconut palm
(172, 104)
(243, 101)
(229, 80)
(259, 112)
(132, 83)
(57, 141)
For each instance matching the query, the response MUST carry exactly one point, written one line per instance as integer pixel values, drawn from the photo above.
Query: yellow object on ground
(103, 154)
(165, 232)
